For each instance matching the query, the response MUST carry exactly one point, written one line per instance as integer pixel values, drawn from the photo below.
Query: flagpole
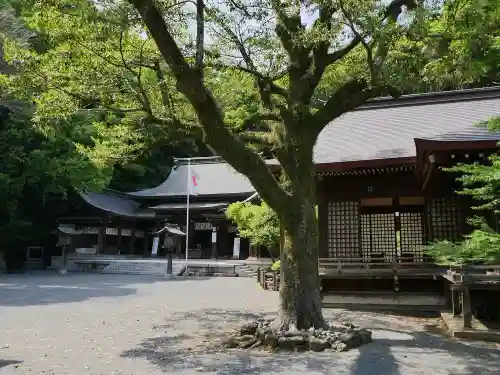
(188, 193)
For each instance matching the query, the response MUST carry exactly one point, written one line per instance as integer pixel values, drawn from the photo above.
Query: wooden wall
(389, 193)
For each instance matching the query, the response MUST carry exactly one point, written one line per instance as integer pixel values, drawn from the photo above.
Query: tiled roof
(470, 134)
(116, 205)
(213, 176)
(386, 128)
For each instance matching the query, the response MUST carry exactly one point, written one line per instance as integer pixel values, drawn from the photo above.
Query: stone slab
(478, 332)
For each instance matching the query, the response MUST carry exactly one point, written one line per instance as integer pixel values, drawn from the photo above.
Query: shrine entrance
(377, 230)
(392, 228)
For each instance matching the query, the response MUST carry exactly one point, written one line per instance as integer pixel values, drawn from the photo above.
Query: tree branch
(265, 84)
(165, 95)
(289, 30)
(288, 27)
(368, 48)
(273, 87)
(320, 50)
(332, 58)
(348, 97)
(259, 117)
(355, 93)
(200, 36)
(141, 94)
(229, 147)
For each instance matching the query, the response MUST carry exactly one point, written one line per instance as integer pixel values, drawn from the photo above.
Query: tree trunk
(300, 299)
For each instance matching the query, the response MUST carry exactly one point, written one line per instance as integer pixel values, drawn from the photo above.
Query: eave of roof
(195, 206)
(384, 130)
(213, 176)
(116, 205)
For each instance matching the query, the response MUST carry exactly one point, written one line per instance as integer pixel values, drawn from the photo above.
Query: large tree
(303, 51)
(252, 78)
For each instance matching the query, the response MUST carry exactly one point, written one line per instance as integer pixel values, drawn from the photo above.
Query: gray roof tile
(116, 205)
(386, 129)
(214, 177)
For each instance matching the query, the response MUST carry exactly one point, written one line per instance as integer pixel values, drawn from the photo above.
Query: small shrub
(482, 246)
(276, 266)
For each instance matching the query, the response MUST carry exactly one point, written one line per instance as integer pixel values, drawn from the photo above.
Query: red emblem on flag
(195, 183)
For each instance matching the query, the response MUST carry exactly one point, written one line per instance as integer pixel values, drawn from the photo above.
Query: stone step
(129, 267)
(216, 274)
(211, 270)
(246, 271)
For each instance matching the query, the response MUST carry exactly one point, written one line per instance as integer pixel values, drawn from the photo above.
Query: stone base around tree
(338, 337)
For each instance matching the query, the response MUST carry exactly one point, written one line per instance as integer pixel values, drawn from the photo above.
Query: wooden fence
(268, 279)
(464, 279)
(358, 266)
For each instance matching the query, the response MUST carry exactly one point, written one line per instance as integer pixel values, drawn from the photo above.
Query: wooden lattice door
(444, 219)
(378, 236)
(343, 229)
(375, 230)
(412, 240)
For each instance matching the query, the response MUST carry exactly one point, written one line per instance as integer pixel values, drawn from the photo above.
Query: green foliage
(258, 223)
(34, 170)
(72, 79)
(481, 181)
(85, 75)
(466, 52)
(276, 266)
(482, 246)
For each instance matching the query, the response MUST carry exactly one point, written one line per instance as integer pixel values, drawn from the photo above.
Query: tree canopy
(258, 223)
(48, 152)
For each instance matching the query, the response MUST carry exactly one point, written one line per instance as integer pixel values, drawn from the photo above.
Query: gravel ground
(139, 325)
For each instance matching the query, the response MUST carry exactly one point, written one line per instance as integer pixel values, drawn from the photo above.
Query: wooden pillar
(118, 239)
(131, 248)
(224, 246)
(146, 242)
(455, 301)
(322, 212)
(214, 242)
(101, 239)
(466, 307)
(178, 246)
(254, 253)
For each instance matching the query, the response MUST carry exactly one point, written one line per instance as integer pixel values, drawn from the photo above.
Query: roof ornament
(170, 229)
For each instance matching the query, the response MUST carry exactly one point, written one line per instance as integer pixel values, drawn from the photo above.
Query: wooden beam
(132, 241)
(466, 307)
(430, 172)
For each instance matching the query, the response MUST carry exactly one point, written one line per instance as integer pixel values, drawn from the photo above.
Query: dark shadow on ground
(8, 362)
(46, 288)
(378, 359)
(178, 349)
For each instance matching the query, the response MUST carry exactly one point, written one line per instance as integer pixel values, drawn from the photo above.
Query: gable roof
(386, 128)
(213, 176)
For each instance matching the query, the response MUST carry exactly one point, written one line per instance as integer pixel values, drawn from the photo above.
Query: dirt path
(140, 325)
